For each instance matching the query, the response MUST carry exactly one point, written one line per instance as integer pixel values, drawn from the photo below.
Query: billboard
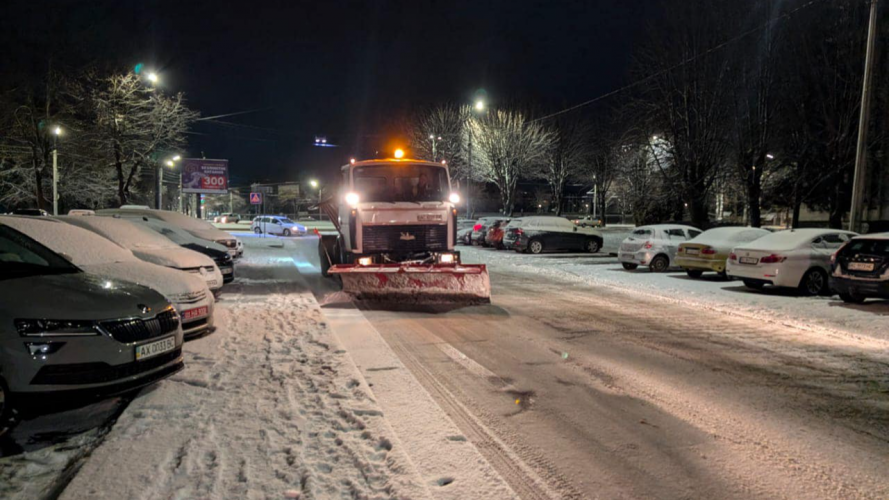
(204, 176)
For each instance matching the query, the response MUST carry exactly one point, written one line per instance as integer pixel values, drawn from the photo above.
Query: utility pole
(180, 192)
(160, 186)
(855, 214)
(469, 179)
(231, 203)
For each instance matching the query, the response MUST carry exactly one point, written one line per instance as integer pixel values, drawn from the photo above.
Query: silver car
(654, 246)
(63, 331)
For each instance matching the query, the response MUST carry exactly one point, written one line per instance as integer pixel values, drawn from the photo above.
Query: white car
(151, 246)
(654, 246)
(197, 227)
(96, 255)
(277, 224)
(796, 258)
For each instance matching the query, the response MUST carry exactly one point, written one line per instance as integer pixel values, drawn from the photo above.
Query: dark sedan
(547, 234)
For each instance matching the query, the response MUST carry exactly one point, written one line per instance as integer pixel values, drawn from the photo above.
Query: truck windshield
(401, 182)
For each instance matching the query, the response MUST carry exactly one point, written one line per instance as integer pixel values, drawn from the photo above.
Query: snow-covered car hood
(87, 296)
(179, 258)
(169, 282)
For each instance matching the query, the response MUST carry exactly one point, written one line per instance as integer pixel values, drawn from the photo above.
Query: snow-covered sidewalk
(269, 406)
(828, 315)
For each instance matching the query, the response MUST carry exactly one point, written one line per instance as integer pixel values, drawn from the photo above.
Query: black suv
(860, 269)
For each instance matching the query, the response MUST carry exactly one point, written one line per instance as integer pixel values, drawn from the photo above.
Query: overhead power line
(707, 52)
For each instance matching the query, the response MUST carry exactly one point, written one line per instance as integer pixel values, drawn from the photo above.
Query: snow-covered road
(601, 388)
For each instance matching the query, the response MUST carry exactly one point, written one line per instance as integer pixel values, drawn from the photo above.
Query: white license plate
(197, 312)
(692, 251)
(145, 351)
(748, 260)
(861, 266)
(428, 217)
(226, 270)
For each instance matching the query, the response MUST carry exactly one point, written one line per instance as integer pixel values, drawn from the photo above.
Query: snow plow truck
(397, 229)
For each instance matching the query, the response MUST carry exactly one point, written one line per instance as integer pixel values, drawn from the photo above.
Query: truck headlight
(447, 258)
(352, 199)
(365, 261)
(454, 198)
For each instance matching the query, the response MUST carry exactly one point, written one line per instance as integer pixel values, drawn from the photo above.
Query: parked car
(796, 258)
(65, 331)
(183, 238)
(97, 255)
(152, 247)
(654, 246)
(494, 236)
(36, 212)
(277, 224)
(588, 220)
(465, 223)
(860, 269)
(227, 218)
(480, 229)
(511, 233)
(464, 235)
(709, 250)
(549, 234)
(197, 227)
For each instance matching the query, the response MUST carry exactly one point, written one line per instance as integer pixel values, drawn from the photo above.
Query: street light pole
(863, 123)
(55, 170)
(479, 106)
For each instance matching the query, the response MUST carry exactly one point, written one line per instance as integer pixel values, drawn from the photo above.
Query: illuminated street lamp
(56, 132)
(170, 162)
(152, 77)
(315, 184)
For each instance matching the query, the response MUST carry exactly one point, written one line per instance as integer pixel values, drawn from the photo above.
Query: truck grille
(136, 330)
(406, 238)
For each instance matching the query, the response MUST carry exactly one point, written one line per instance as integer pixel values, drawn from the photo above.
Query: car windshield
(400, 182)
(20, 256)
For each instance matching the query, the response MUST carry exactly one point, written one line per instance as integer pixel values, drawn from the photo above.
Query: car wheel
(659, 264)
(628, 266)
(257, 230)
(286, 232)
(535, 246)
(755, 285)
(852, 298)
(694, 273)
(592, 246)
(814, 283)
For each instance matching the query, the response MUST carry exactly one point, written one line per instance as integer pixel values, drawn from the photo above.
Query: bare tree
(685, 98)
(507, 146)
(134, 124)
(568, 154)
(438, 134)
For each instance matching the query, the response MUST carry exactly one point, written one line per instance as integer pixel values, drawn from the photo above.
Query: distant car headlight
(55, 328)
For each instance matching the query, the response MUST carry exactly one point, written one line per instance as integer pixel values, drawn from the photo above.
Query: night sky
(346, 70)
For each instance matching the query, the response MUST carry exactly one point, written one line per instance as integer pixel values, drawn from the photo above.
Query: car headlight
(55, 328)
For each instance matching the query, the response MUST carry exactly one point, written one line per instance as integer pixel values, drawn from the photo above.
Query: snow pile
(268, 406)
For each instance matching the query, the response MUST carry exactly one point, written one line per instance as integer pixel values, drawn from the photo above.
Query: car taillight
(681, 250)
(647, 245)
(708, 251)
(732, 257)
(772, 259)
(477, 227)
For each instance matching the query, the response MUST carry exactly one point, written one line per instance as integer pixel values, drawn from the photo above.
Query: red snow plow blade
(416, 283)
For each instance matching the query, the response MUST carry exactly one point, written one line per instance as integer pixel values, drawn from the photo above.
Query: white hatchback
(276, 224)
(796, 258)
(654, 246)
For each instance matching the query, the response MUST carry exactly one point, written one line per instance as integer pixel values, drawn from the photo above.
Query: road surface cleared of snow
(268, 406)
(605, 390)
